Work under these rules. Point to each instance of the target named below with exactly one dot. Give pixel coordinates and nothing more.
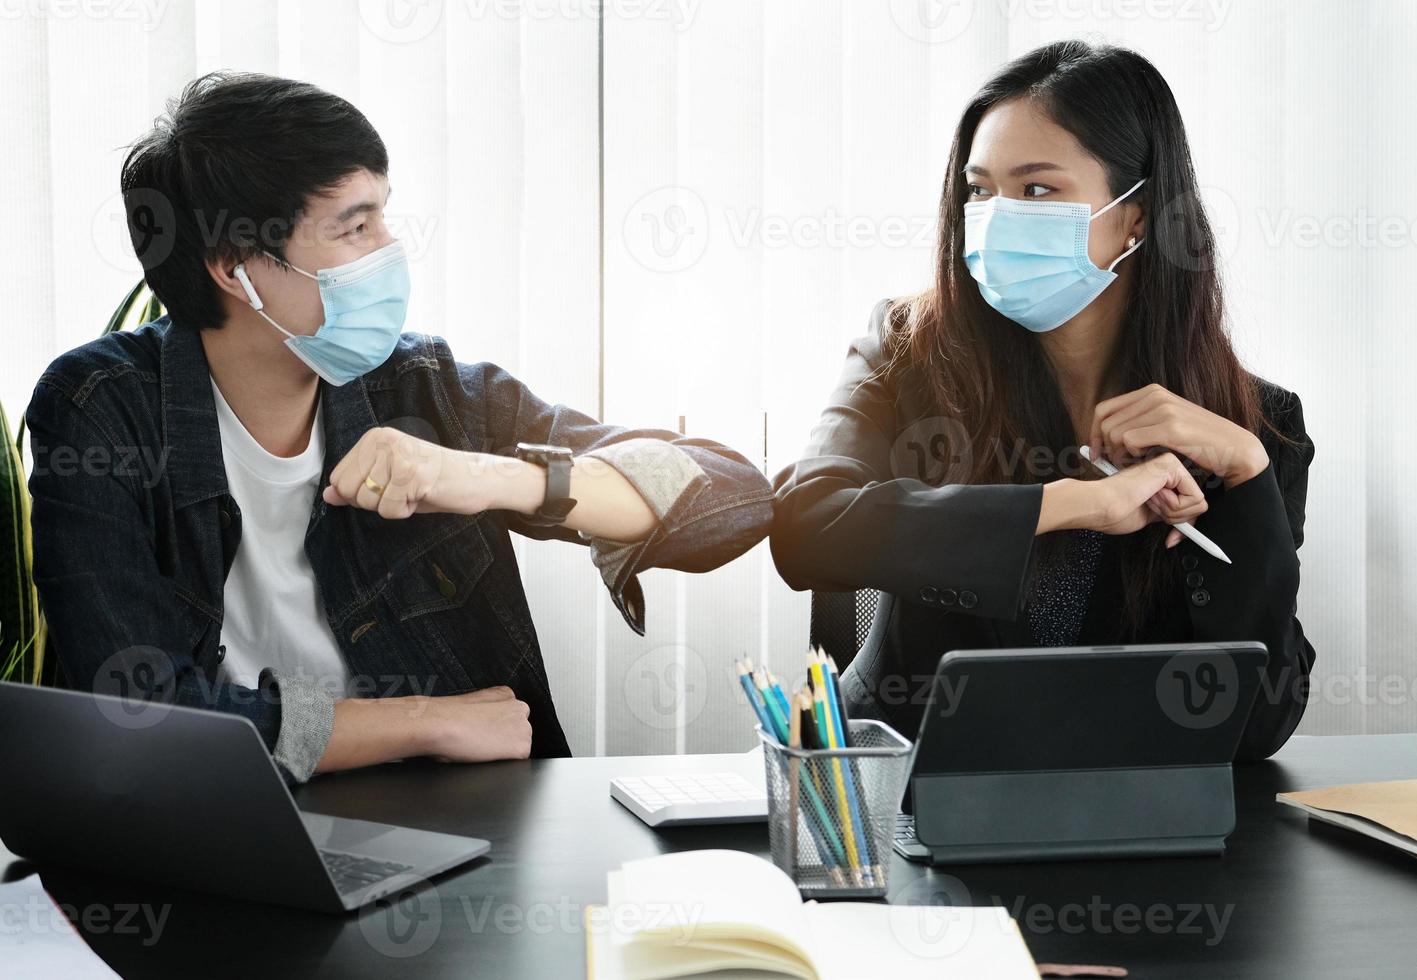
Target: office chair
(841, 621)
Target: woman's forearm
(1068, 503)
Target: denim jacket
(135, 531)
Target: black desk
(1290, 900)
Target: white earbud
(240, 273)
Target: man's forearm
(477, 726)
(370, 731)
(607, 504)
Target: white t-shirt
(273, 614)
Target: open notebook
(1386, 811)
(689, 914)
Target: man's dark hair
(228, 171)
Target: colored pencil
(746, 680)
(862, 814)
(823, 720)
(779, 720)
(824, 829)
(794, 741)
(836, 728)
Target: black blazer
(953, 562)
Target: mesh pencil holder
(832, 812)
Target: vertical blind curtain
(678, 213)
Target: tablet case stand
(1072, 814)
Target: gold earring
(1131, 242)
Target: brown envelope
(1392, 804)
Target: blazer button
(1188, 562)
(949, 597)
(929, 594)
(1200, 597)
(967, 599)
(1194, 580)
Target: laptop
(189, 798)
(1079, 752)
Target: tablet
(1073, 752)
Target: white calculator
(705, 797)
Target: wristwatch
(557, 462)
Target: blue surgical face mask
(365, 302)
(1030, 258)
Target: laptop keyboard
(352, 872)
(905, 828)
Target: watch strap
(558, 503)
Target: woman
(1076, 304)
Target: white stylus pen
(1185, 527)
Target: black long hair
(994, 376)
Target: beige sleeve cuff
(307, 719)
(661, 472)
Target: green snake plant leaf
(120, 315)
(21, 626)
(148, 308)
(22, 632)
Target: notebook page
(854, 940)
(606, 961)
(708, 895)
(655, 961)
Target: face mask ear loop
(254, 299)
(1114, 203)
(1125, 254)
(262, 314)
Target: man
(286, 508)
